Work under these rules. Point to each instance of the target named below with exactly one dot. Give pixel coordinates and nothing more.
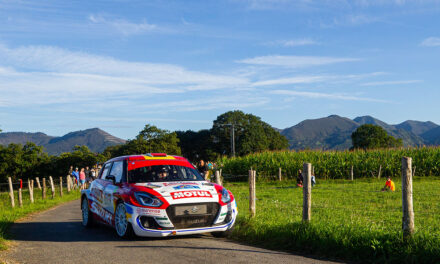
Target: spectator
(299, 179)
(75, 174)
(202, 168)
(389, 185)
(313, 180)
(82, 178)
(70, 170)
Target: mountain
(432, 136)
(333, 132)
(408, 137)
(417, 127)
(22, 137)
(95, 139)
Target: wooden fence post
(68, 183)
(38, 183)
(279, 174)
(52, 187)
(31, 190)
(380, 171)
(218, 180)
(351, 173)
(414, 171)
(11, 192)
(43, 195)
(407, 198)
(307, 192)
(252, 198)
(20, 194)
(61, 186)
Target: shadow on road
(209, 248)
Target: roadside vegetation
(8, 214)
(336, 164)
(351, 220)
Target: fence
(44, 185)
(407, 210)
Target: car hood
(183, 192)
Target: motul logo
(190, 194)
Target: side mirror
(112, 178)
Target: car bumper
(134, 215)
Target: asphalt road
(57, 236)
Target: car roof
(149, 157)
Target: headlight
(226, 198)
(147, 199)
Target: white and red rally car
(157, 195)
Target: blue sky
(118, 65)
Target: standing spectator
(75, 174)
(82, 178)
(70, 170)
(202, 168)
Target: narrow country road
(57, 236)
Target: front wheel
(122, 226)
(87, 218)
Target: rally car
(157, 195)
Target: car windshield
(163, 173)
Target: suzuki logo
(195, 209)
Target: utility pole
(232, 125)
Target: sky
(118, 65)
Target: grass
(8, 214)
(350, 220)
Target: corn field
(336, 164)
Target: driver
(163, 173)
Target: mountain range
(95, 139)
(327, 133)
(334, 132)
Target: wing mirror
(112, 178)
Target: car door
(111, 188)
(97, 194)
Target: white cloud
(124, 27)
(332, 96)
(295, 61)
(292, 42)
(316, 79)
(431, 42)
(391, 82)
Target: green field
(8, 215)
(351, 220)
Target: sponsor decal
(128, 209)
(190, 194)
(207, 184)
(153, 186)
(148, 211)
(185, 187)
(107, 199)
(161, 218)
(179, 183)
(97, 194)
(224, 214)
(101, 212)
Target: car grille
(191, 219)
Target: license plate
(191, 210)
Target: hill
(334, 132)
(95, 139)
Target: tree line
(246, 133)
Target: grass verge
(8, 214)
(350, 220)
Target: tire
(122, 226)
(223, 233)
(87, 217)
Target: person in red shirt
(389, 185)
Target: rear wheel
(87, 218)
(122, 226)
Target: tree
(250, 133)
(197, 145)
(150, 140)
(372, 136)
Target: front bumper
(224, 220)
